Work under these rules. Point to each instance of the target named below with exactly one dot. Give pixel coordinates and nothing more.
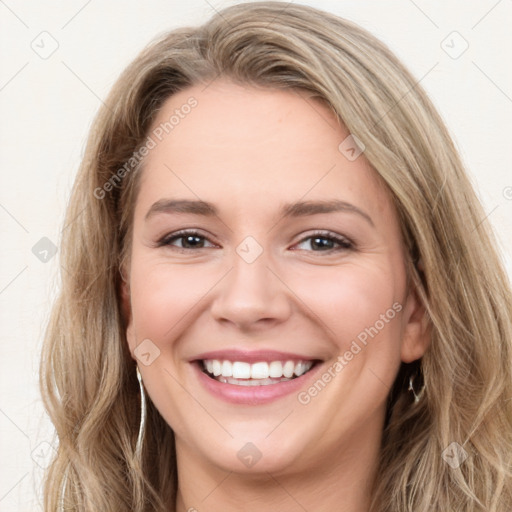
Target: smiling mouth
(241, 373)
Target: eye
(327, 242)
(319, 241)
(190, 240)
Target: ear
(127, 311)
(417, 329)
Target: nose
(252, 295)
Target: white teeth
(217, 367)
(227, 369)
(261, 372)
(275, 369)
(288, 369)
(300, 368)
(241, 370)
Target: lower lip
(253, 395)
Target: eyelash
(344, 243)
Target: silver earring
(417, 396)
(142, 424)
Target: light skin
(248, 151)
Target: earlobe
(417, 329)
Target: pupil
(321, 242)
(194, 239)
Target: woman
(272, 231)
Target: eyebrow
(296, 209)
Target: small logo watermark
(146, 352)
(351, 148)
(43, 454)
(454, 45)
(249, 454)
(45, 45)
(44, 250)
(249, 249)
(454, 455)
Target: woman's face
(291, 259)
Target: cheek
(163, 296)
(348, 299)
(359, 306)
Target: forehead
(246, 146)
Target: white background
(46, 109)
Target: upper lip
(252, 356)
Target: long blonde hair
(88, 378)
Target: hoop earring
(417, 396)
(142, 424)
